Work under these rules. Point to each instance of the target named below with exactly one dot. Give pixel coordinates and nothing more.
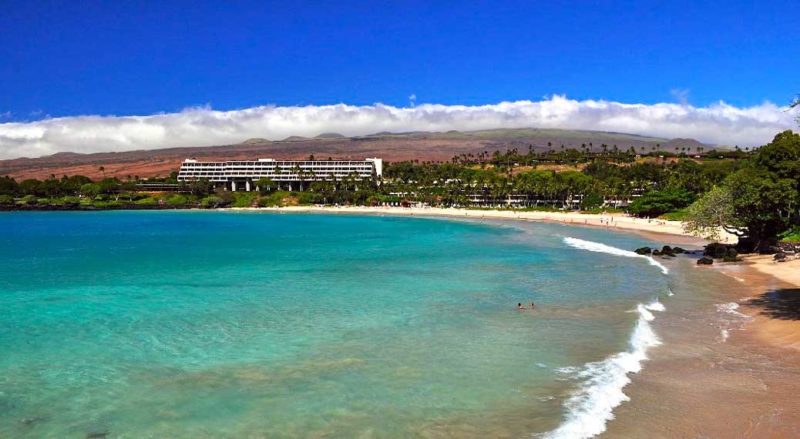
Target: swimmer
(520, 307)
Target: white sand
(611, 221)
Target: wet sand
(776, 311)
(729, 366)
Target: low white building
(242, 174)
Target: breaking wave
(592, 405)
(603, 248)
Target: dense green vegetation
(758, 202)
(753, 194)
(569, 178)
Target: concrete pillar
(233, 185)
(247, 185)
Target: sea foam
(603, 248)
(592, 405)
(731, 309)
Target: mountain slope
(423, 146)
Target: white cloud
(719, 123)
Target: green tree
(8, 186)
(655, 203)
(90, 190)
(265, 185)
(201, 187)
(757, 202)
(713, 212)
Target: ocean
(233, 324)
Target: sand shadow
(781, 304)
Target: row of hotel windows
(273, 164)
(265, 174)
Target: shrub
(313, 198)
(791, 236)
(149, 201)
(244, 199)
(277, 198)
(655, 203)
(678, 215)
(28, 200)
(71, 201)
(176, 200)
(211, 201)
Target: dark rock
(656, 252)
(678, 250)
(666, 249)
(731, 255)
(705, 260)
(643, 250)
(716, 250)
(780, 257)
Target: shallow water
(212, 324)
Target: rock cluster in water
(716, 250)
(664, 251)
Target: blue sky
(64, 58)
(119, 75)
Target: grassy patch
(677, 215)
(602, 210)
(791, 236)
(244, 199)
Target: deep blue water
(222, 324)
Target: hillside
(423, 146)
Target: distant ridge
(682, 143)
(417, 145)
(330, 136)
(255, 141)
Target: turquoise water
(212, 324)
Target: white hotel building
(242, 175)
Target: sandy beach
(775, 308)
(729, 365)
(671, 231)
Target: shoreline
(729, 366)
(660, 230)
(689, 376)
(774, 308)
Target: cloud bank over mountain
(719, 123)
